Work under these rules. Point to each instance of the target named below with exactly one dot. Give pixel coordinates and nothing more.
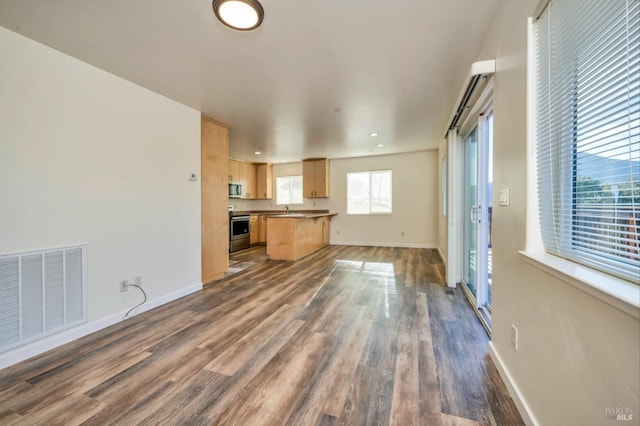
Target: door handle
(473, 213)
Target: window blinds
(587, 124)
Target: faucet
(286, 209)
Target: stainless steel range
(239, 238)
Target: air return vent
(41, 293)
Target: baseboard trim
(442, 257)
(374, 244)
(514, 391)
(50, 342)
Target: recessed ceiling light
(258, 152)
(380, 145)
(374, 134)
(243, 15)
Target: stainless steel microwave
(235, 190)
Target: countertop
(281, 213)
(301, 215)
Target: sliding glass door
(477, 213)
(470, 220)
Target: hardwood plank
(254, 367)
(449, 420)
(430, 403)
(330, 382)
(369, 399)
(238, 354)
(291, 370)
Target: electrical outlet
(138, 280)
(123, 285)
(514, 337)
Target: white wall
(415, 201)
(89, 158)
(577, 355)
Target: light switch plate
(503, 197)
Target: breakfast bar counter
(295, 235)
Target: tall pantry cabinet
(214, 171)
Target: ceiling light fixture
(258, 152)
(380, 145)
(374, 134)
(243, 15)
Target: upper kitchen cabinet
(264, 181)
(315, 178)
(249, 184)
(235, 171)
(245, 174)
(214, 171)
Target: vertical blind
(587, 124)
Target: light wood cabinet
(214, 171)
(262, 237)
(249, 185)
(291, 238)
(326, 230)
(254, 229)
(234, 171)
(315, 178)
(264, 181)
(244, 174)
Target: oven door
(239, 228)
(239, 238)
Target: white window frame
(290, 179)
(370, 212)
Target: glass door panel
(470, 212)
(489, 204)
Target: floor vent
(41, 293)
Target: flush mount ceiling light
(243, 15)
(374, 134)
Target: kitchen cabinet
(315, 178)
(326, 230)
(245, 174)
(262, 233)
(249, 185)
(264, 181)
(294, 236)
(214, 172)
(234, 171)
(254, 229)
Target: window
(369, 192)
(289, 190)
(587, 123)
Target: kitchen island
(295, 235)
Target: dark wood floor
(348, 335)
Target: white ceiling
(393, 67)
